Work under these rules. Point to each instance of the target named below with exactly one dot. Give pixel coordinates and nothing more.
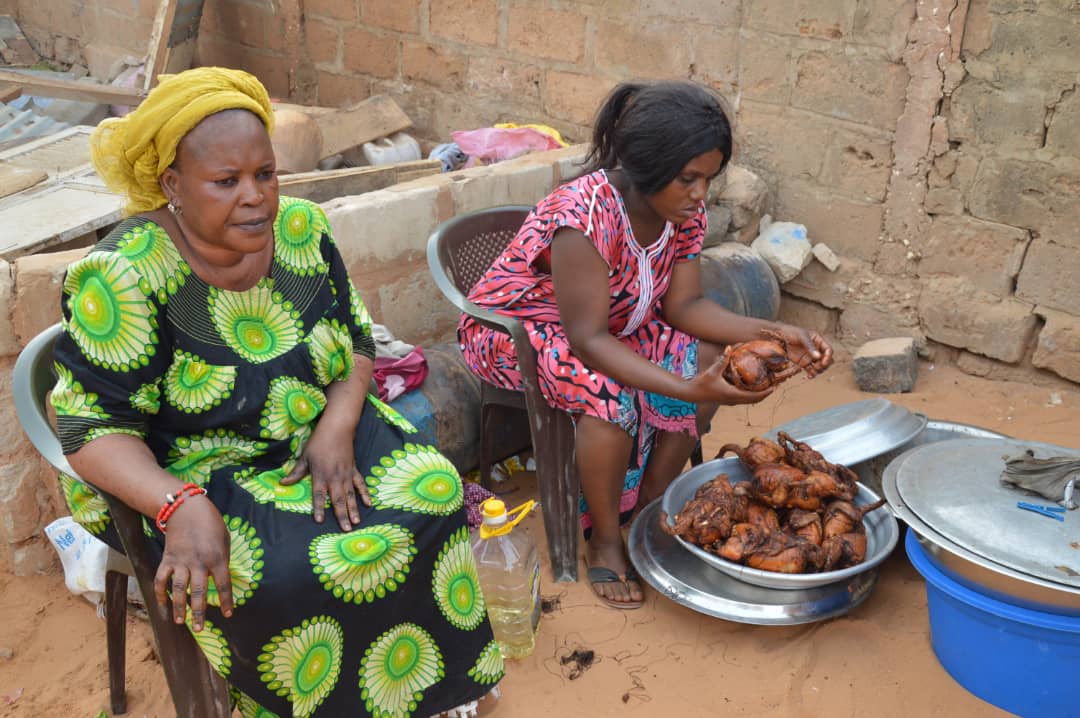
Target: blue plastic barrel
(1021, 660)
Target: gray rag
(1056, 478)
(386, 345)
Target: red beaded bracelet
(173, 501)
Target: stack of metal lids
(969, 522)
(844, 434)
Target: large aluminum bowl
(882, 532)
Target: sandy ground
(661, 660)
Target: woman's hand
(807, 349)
(710, 385)
(196, 549)
(329, 458)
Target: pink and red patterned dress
(638, 277)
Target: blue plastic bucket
(1026, 662)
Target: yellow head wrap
(131, 152)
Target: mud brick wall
(931, 143)
(382, 236)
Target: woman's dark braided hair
(651, 130)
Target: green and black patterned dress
(225, 388)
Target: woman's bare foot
(611, 575)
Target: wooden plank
(173, 39)
(375, 117)
(72, 90)
(60, 154)
(324, 186)
(9, 93)
(16, 179)
(51, 217)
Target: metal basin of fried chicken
(795, 515)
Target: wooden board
(9, 93)
(16, 179)
(60, 154)
(54, 216)
(375, 117)
(324, 186)
(72, 90)
(173, 39)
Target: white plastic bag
(84, 558)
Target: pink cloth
(394, 377)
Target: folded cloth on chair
(394, 376)
(1056, 478)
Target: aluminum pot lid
(852, 433)
(955, 488)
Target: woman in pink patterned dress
(605, 276)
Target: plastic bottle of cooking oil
(509, 570)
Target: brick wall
(58, 29)
(930, 143)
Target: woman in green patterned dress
(214, 338)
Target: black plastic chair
(197, 690)
(459, 252)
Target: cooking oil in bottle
(509, 570)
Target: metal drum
(738, 279)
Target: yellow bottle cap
(493, 508)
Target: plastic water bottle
(509, 570)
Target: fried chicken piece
(801, 455)
(745, 538)
(709, 516)
(763, 516)
(758, 451)
(807, 524)
(772, 484)
(844, 550)
(784, 553)
(758, 364)
(841, 517)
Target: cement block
(830, 289)
(850, 227)
(1048, 276)
(886, 366)
(853, 84)
(858, 165)
(1029, 194)
(514, 182)
(985, 115)
(631, 48)
(20, 501)
(987, 253)
(1058, 347)
(826, 256)
(38, 283)
(808, 315)
(956, 313)
(34, 557)
(474, 22)
(528, 33)
(379, 227)
(105, 61)
(9, 342)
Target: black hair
(651, 130)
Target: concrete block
(717, 49)
(20, 501)
(436, 65)
(380, 227)
(766, 67)
(850, 227)
(856, 85)
(574, 97)
(826, 256)
(808, 315)
(513, 182)
(371, 53)
(105, 61)
(33, 557)
(530, 30)
(337, 90)
(828, 288)
(785, 247)
(956, 313)
(39, 280)
(885, 24)
(1063, 135)
(1029, 194)
(474, 22)
(984, 115)
(324, 42)
(9, 342)
(860, 322)
(636, 49)
(763, 128)
(330, 8)
(1048, 276)
(508, 79)
(858, 165)
(1058, 347)
(399, 15)
(886, 366)
(987, 253)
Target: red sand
(661, 660)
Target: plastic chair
(459, 252)
(197, 690)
